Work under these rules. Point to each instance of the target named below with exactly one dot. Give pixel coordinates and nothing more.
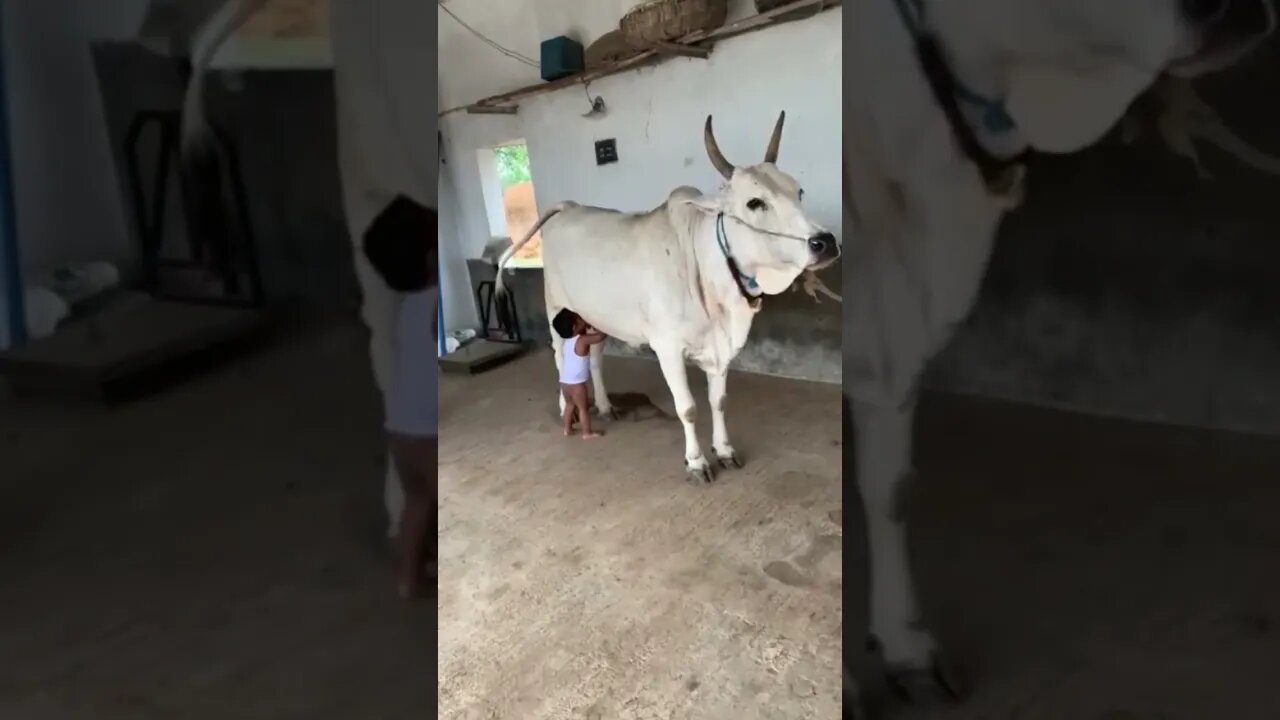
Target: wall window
(509, 198)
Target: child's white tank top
(574, 369)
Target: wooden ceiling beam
(696, 44)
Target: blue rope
(995, 118)
(723, 242)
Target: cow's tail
(197, 133)
(200, 167)
(500, 292)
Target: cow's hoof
(699, 474)
(607, 413)
(939, 682)
(729, 461)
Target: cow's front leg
(557, 348)
(883, 451)
(695, 463)
(716, 393)
(379, 308)
(603, 407)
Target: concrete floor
(1090, 569)
(214, 552)
(589, 580)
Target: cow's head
(1069, 69)
(764, 224)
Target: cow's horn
(771, 154)
(713, 151)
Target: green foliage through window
(513, 164)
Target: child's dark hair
(563, 323)
(400, 244)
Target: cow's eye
(802, 193)
(755, 204)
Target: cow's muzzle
(1238, 19)
(1228, 29)
(823, 248)
(1248, 19)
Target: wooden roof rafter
(698, 44)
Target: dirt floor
(587, 579)
(215, 552)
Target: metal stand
(205, 214)
(141, 344)
(492, 327)
(499, 339)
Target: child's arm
(586, 340)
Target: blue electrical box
(561, 57)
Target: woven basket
(666, 20)
(610, 47)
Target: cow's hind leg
(604, 408)
(716, 392)
(695, 463)
(557, 348)
(557, 343)
(883, 452)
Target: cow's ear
(710, 205)
(1060, 109)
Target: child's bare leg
(584, 416)
(583, 413)
(416, 460)
(569, 409)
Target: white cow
(685, 278)
(927, 184)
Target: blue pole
(10, 261)
(440, 334)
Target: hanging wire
(595, 104)
(485, 39)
